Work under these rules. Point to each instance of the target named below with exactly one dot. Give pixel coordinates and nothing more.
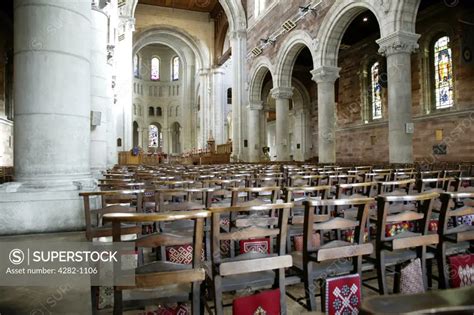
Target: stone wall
(6, 124)
(359, 139)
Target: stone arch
(336, 21)
(288, 54)
(186, 47)
(258, 72)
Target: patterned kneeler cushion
(181, 254)
(462, 270)
(411, 278)
(261, 245)
(172, 309)
(264, 303)
(343, 295)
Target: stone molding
(255, 105)
(399, 42)
(282, 92)
(325, 74)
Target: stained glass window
(376, 91)
(443, 66)
(136, 66)
(155, 69)
(175, 72)
(155, 136)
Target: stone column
(254, 146)
(99, 87)
(282, 96)
(52, 92)
(325, 77)
(112, 156)
(205, 110)
(397, 47)
(124, 57)
(238, 43)
(218, 108)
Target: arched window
(175, 69)
(158, 111)
(155, 69)
(229, 96)
(376, 91)
(443, 73)
(134, 109)
(136, 65)
(155, 136)
(151, 111)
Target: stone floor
(71, 299)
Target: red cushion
(462, 270)
(343, 294)
(261, 245)
(267, 302)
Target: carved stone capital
(255, 105)
(240, 34)
(325, 74)
(282, 92)
(398, 43)
(127, 23)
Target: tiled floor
(71, 299)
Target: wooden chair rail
(415, 197)
(154, 217)
(112, 192)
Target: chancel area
(239, 156)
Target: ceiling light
(365, 19)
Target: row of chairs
(331, 212)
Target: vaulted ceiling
(193, 5)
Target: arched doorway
(135, 134)
(175, 138)
(155, 138)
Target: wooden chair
(399, 187)
(456, 239)
(464, 184)
(177, 282)
(252, 270)
(297, 195)
(130, 201)
(254, 195)
(394, 250)
(331, 257)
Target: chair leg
(443, 273)
(219, 309)
(429, 271)
(196, 302)
(281, 286)
(422, 256)
(118, 307)
(323, 296)
(381, 272)
(94, 298)
(397, 277)
(309, 287)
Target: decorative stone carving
(385, 5)
(255, 105)
(282, 92)
(325, 74)
(398, 43)
(240, 34)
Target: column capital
(128, 22)
(398, 43)
(255, 105)
(325, 74)
(203, 71)
(239, 34)
(282, 92)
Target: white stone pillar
(99, 86)
(205, 107)
(52, 92)
(282, 96)
(397, 47)
(253, 135)
(124, 63)
(325, 78)
(218, 105)
(238, 43)
(111, 131)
